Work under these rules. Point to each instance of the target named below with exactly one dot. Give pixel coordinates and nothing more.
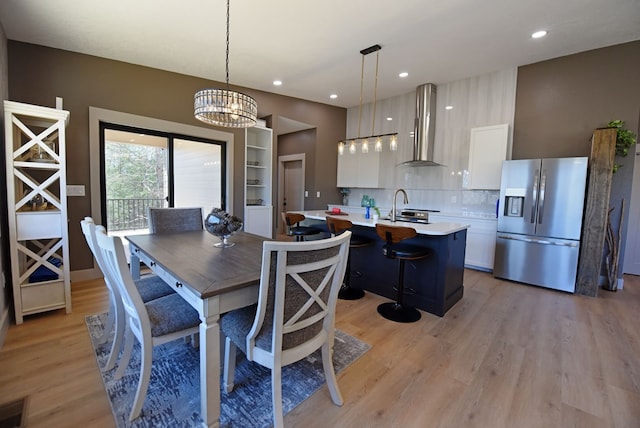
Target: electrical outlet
(454, 199)
(75, 190)
(317, 194)
(306, 193)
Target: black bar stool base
(395, 312)
(348, 293)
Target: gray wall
(83, 81)
(560, 102)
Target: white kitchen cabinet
(258, 207)
(359, 169)
(37, 208)
(487, 149)
(347, 169)
(481, 239)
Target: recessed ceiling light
(389, 118)
(333, 96)
(448, 108)
(539, 34)
(277, 82)
(403, 74)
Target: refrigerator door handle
(539, 241)
(543, 180)
(535, 196)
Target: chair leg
(276, 396)
(330, 374)
(129, 340)
(109, 323)
(119, 334)
(143, 383)
(229, 365)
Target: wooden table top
(192, 258)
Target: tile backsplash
(473, 202)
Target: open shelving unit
(37, 208)
(258, 207)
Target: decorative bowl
(222, 224)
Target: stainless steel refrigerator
(540, 221)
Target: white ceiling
(314, 47)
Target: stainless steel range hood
(424, 129)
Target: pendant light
(224, 107)
(364, 141)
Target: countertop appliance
(414, 215)
(540, 221)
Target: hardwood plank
(506, 355)
(582, 381)
(628, 405)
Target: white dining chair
(169, 220)
(149, 287)
(295, 313)
(152, 324)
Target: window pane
(135, 178)
(197, 174)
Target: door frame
(279, 207)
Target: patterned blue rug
(173, 399)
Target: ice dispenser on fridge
(514, 202)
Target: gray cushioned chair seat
(171, 313)
(152, 287)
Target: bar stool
(292, 220)
(393, 249)
(336, 227)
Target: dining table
(213, 280)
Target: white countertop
(439, 228)
(462, 214)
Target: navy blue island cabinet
(433, 284)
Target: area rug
(173, 399)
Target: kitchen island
(433, 284)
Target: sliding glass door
(142, 169)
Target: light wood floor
(507, 355)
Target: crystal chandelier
(364, 141)
(224, 107)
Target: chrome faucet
(395, 196)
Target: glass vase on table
(222, 225)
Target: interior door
(293, 189)
(291, 185)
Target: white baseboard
(85, 274)
(603, 280)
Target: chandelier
(224, 107)
(364, 141)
